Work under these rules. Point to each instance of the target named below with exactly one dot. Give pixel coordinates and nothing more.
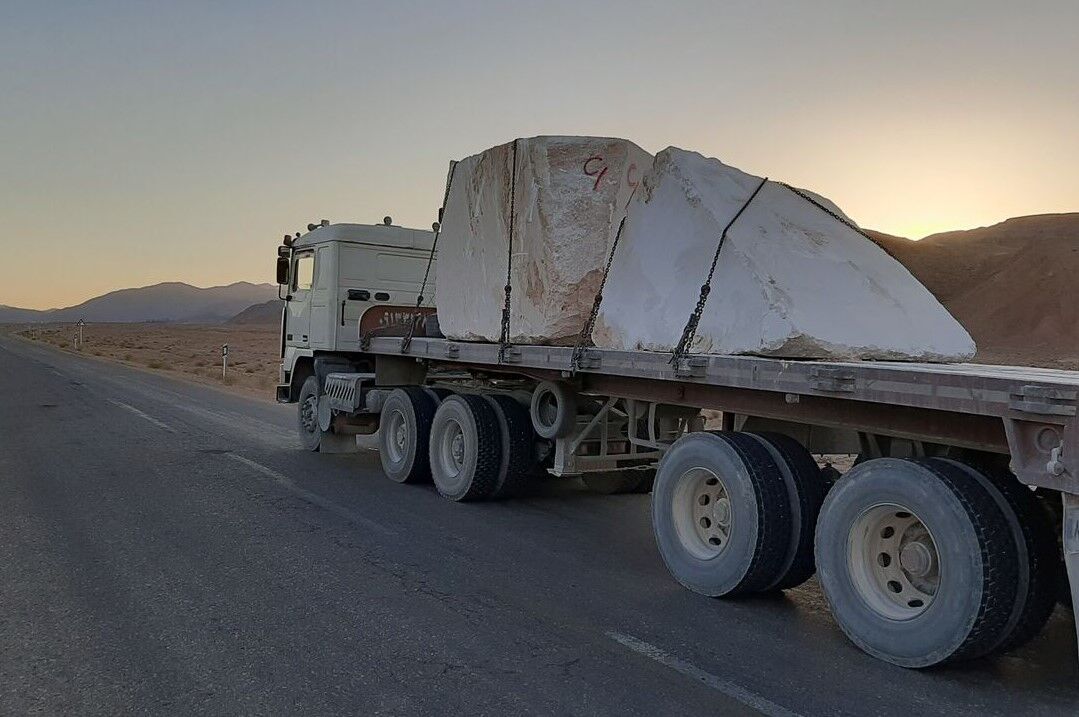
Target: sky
(178, 141)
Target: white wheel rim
(397, 436)
(893, 561)
(702, 513)
(451, 451)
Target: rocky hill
(1013, 285)
(172, 301)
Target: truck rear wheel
(404, 434)
(720, 514)
(916, 561)
(805, 491)
(1038, 555)
(465, 448)
(517, 439)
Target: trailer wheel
(515, 426)
(916, 561)
(720, 514)
(1038, 555)
(307, 415)
(404, 433)
(805, 490)
(553, 410)
(465, 448)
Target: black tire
(806, 491)
(1038, 555)
(553, 409)
(975, 561)
(518, 459)
(307, 415)
(437, 393)
(755, 505)
(472, 421)
(404, 435)
(614, 482)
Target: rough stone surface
(569, 196)
(791, 280)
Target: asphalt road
(167, 548)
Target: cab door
(321, 320)
(298, 325)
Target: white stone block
(568, 198)
(791, 280)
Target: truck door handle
(359, 295)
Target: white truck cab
(340, 281)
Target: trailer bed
(975, 389)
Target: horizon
(144, 140)
(271, 284)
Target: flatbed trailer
(952, 537)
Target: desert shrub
(154, 363)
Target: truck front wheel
(307, 415)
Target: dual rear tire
(471, 446)
(733, 513)
(922, 561)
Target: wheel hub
(396, 427)
(457, 449)
(917, 559)
(452, 450)
(893, 561)
(309, 414)
(702, 513)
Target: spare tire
(554, 409)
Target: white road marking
(313, 498)
(140, 414)
(746, 697)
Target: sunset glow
(238, 123)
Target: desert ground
(187, 351)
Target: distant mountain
(168, 302)
(268, 312)
(1012, 285)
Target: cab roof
(377, 234)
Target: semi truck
(952, 537)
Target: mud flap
(1071, 546)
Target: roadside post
(81, 340)
(224, 359)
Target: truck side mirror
(282, 270)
